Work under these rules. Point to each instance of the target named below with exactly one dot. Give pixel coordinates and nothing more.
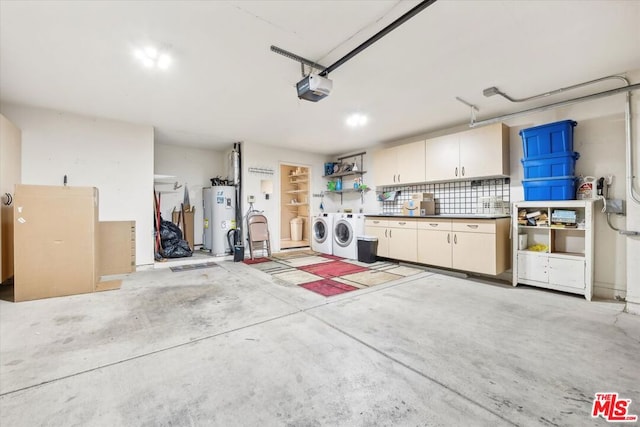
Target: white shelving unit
(567, 264)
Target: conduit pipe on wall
(631, 190)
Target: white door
(533, 266)
(567, 272)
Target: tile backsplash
(455, 197)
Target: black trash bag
(179, 250)
(169, 231)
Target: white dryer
(322, 233)
(346, 229)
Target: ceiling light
(151, 57)
(163, 61)
(356, 120)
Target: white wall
(633, 210)
(116, 157)
(191, 167)
(267, 157)
(600, 140)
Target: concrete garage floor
(226, 346)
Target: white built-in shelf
(296, 191)
(297, 204)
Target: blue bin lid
(569, 122)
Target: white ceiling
(225, 85)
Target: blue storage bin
(547, 139)
(560, 188)
(559, 164)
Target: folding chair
(258, 230)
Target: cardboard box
(186, 225)
(116, 247)
(56, 242)
(428, 208)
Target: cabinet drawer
(436, 224)
(474, 226)
(370, 222)
(409, 224)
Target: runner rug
(328, 274)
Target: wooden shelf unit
(567, 264)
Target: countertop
(443, 216)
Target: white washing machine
(322, 233)
(346, 229)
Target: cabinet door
(567, 272)
(385, 163)
(10, 161)
(533, 266)
(382, 234)
(403, 244)
(442, 158)
(474, 252)
(484, 151)
(434, 247)
(410, 161)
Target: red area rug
(333, 268)
(328, 287)
(328, 275)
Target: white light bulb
(151, 52)
(148, 62)
(163, 61)
(356, 120)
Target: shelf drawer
(404, 223)
(474, 226)
(370, 222)
(437, 224)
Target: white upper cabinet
(475, 153)
(403, 164)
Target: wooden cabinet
(481, 246)
(10, 174)
(474, 245)
(397, 239)
(559, 258)
(403, 164)
(434, 242)
(475, 153)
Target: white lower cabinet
(397, 239)
(474, 245)
(434, 243)
(565, 262)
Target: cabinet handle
(389, 233)
(463, 171)
(376, 222)
(9, 199)
(456, 171)
(385, 233)
(398, 177)
(472, 225)
(394, 177)
(433, 225)
(455, 239)
(401, 223)
(448, 238)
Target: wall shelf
(356, 173)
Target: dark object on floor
(238, 253)
(194, 266)
(173, 246)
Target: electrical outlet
(615, 206)
(609, 179)
(251, 199)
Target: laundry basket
(296, 228)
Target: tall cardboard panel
(55, 241)
(10, 175)
(117, 247)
